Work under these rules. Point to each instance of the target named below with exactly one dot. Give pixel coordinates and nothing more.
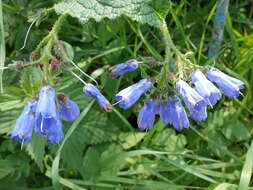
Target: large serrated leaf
(36, 149)
(84, 10)
(89, 132)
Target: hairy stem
(52, 33)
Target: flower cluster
(197, 98)
(44, 115)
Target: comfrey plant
(176, 91)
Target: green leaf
(102, 160)
(88, 132)
(31, 80)
(68, 50)
(137, 10)
(6, 168)
(162, 7)
(236, 131)
(36, 149)
(131, 139)
(215, 141)
(168, 139)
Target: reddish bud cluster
(54, 64)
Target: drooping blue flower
(92, 91)
(177, 114)
(229, 85)
(165, 113)
(25, 123)
(199, 114)
(206, 88)
(157, 108)
(69, 110)
(46, 111)
(123, 68)
(194, 102)
(131, 94)
(146, 116)
(54, 133)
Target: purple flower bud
(229, 85)
(165, 113)
(205, 88)
(25, 123)
(123, 68)
(146, 116)
(69, 110)
(46, 109)
(195, 103)
(54, 133)
(92, 91)
(177, 114)
(131, 94)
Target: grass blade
(224, 186)
(247, 170)
(2, 47)
(55, 166)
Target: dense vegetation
(106, 150)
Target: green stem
(168, 42)
(52, 33)
(168, 53)
(166, 36)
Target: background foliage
(105, 150)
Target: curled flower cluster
(197, 98)
(203, 93)
(44, 116)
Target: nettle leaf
(31, 80)
(169, 140)
(229, 124)
(137, 10)
(36, 149)
(162, 7)
(102, 160)
(95, 129)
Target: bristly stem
(168, 41)
(218, 27)
(52, 33)
(170, 49)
